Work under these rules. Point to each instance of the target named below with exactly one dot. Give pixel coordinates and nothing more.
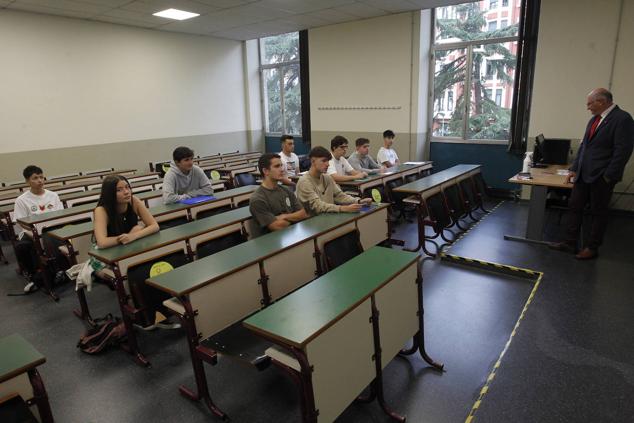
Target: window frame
(468, 46)
(281, 69)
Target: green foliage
(282, 49)
(487, 120)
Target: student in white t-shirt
(338, 167)
(290, 161)
(36, 200)
(386, 155)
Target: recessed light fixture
(179, 15)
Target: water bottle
(528, 159)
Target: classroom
(316, 211)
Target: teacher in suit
(604, 151)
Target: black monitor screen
(555, 150)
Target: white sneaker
(145, 328)
(30, 287)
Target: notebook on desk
(196, 200)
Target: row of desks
(71, 179)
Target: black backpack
(107, 331)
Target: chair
(242, 179)
(455, 204)
(341, 249)
(469, 195)
(396, 199)
(482, 190)
(148, 300)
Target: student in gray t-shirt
(361, 160)
(273, 206)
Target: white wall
(68, 82)
(364, 64)
(578, 51)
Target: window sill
(460, 141)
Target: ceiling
(233, 19)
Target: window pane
(292, 101)
(449, 77)
(474, 21)
(490, 118)
(280, 48)
(273, 101)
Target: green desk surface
(6, 209)
(168, 236)
(388, 172)
(432, 181)
(45, 217)
(73, 195)
(71, 231)
(199, 273)
(17, 356)
(299, 317)
(221, 195)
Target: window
(472, 63)
(493, 4)
(279, 59)
(490, 70)
(505, 3)
(498, 97)
(504, 23)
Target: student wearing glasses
(338, 167)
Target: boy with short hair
(273, 206)
(319, 193)
(386, 155)
(290, 161)
(361, 159)
(184, 179)
(338, 167)
(36, 200)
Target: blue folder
(196, 200)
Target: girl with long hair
(117, 214)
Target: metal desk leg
(536, 217)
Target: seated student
(338, 167)
(36, 200)
(360, 160)
(184, 179)
(319, 193)
(386, 155)
(274, 206)
(290, 161)
(116, 221)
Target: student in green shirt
(272, 205)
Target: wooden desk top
(195, 275)
(545, 177)
(301, 316)
(432, 181)
(134, 184)
(159, 239)
(17, 356)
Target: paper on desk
(414, 163)
(563, 172)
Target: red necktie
(593, 128)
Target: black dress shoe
(562, 246)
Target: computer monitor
(555, 150)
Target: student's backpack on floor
(107, 331)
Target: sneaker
(30, 287)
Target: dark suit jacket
(607, 152)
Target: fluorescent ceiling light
(179, 15)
